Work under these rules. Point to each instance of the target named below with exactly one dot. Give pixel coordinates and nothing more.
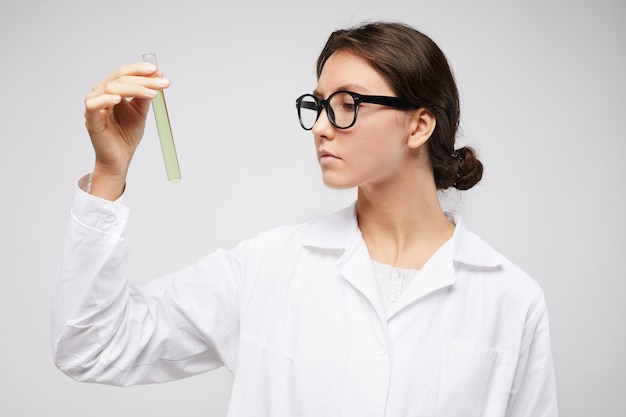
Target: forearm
(105, 330)
(91, 286)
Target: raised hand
(115, 117)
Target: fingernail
(163, 82)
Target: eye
(348, 105)
(343, 102)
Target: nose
(323, 128)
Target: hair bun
(466, 170)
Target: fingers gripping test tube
(164, 129)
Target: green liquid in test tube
(165, 130)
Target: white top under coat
(392, 281)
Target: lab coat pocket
(475, 380)
(264, 380)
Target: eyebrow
(346, 87)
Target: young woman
(390, 307)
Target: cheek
(378, 157)
(383, 141)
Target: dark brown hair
(417, 71)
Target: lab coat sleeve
(533, 392)
(106, 330)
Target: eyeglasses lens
(340, 109)
(308, 111)
(343, 109)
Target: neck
(402, 226)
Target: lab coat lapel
(340, 231)
(464, 248)
(437, 273)
(356, 267)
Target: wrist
(107, 185)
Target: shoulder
(334, 230)
(331, 230)
(479, 262)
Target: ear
(422, 125)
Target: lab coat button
(108, 218)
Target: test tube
(164, 129)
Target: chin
(338, 185)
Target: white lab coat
(295, 315)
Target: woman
(390, 307)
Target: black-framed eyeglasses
(342, 107)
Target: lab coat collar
(340, 232)
(340, 229)
(335, 231)
(471, 250)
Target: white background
(543, 100)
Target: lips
(326, 157)
(321, 152)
